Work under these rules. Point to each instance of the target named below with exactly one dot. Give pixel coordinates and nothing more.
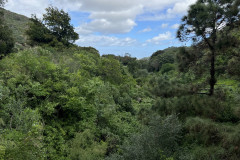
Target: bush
(213, 140)
(84, 146)
(6, 39)
(196, 105)
(158, 141)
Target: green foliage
(165, 86)
(69, 97)
(58, 22)
(111, 70)
(207, 153)
(54, 30)
(38, 33)
(75, 104)
(167, 67)
(232, 66)
(19, 146)
(184, 59)
(127, 60)
(160, 58)
(2, 152)
(219, 140)
(159, 141)
(6, 39)
(84, 146)
(22, 135)
(185, 106)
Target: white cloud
(116, 5)
(105, 41)
(174, 8)
(180, 7)
(155, 17)
(175, 26)
(108, 27)
(164, 25)
(83, 31)
(160, 37)
(112, 22)
(107, 16)
(146, 30)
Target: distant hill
(18, 24)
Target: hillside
(18, 24)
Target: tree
(6, 40)
(58, 22)
(205, 20)
(54, 28)
(159, 58)
(111, 70)
(38, 33)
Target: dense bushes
(158, 141)
(76, 104)
(65, 96)
(197, 105)
(6, 39)
(220, 141)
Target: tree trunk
(212, 81)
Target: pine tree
(204, 20)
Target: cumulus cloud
(113, 5)
(105, 41)
(175, 26)
(155, 17)
(174, 8)
(146, 30)
(107, 16)
(180, 7)
(112, 22)
(83, 31)
(164, 25)
(160, 37)
(108, 27)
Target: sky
(136, 27)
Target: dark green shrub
(158, 141)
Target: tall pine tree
(205, 19)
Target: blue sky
(137, 27)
